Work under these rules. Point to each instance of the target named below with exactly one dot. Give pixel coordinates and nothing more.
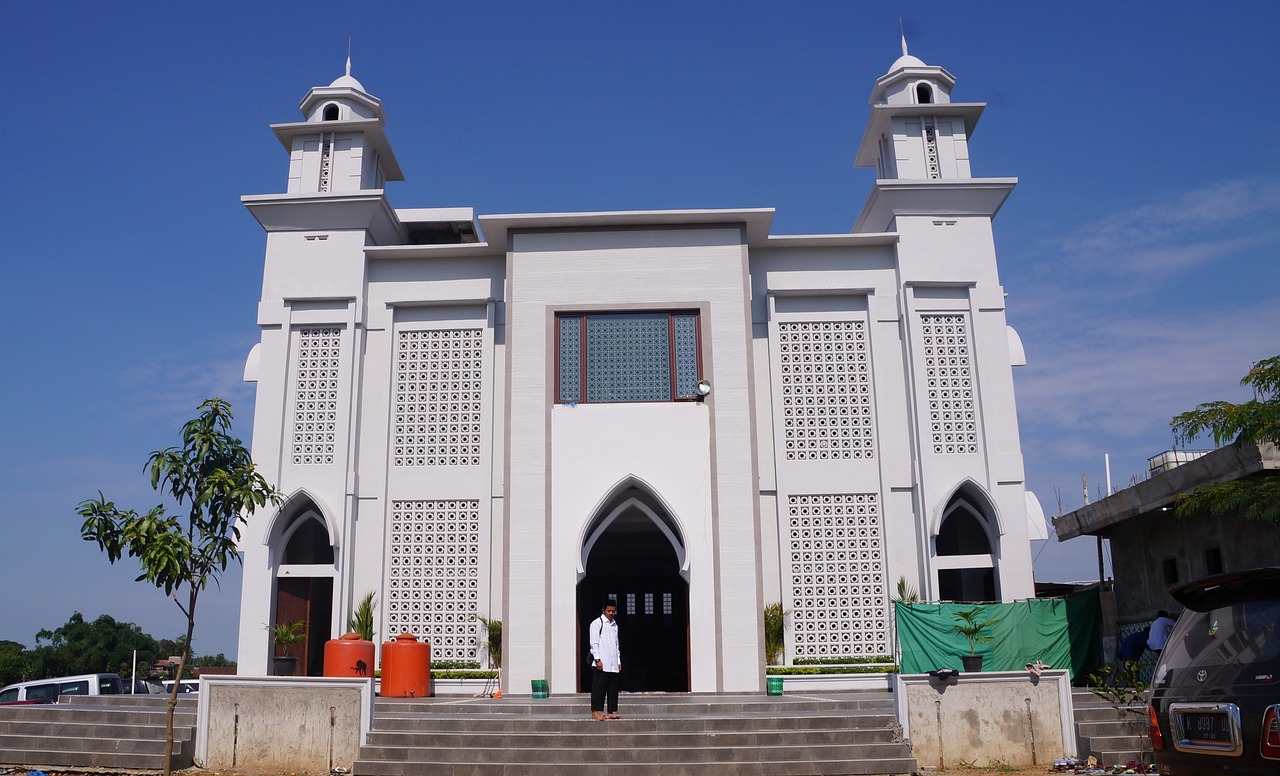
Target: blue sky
(1139, 250)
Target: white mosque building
(516, 416)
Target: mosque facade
(516, 416)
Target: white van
(48, 690)
(186, 685)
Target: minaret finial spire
(903, 32)
(349, 54)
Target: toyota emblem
(1201, 675)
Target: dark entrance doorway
(309, 599)
(300, 596)
(965, 531)
(635, 561)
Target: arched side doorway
(963, 546)
(304, 584)
(633, 552)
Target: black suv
(1215, 695)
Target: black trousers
(605, 683)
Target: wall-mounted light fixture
(702, 389)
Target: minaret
(340, 147)
(918, 141)
(915, 131)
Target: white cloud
(1176, 234)
(172, 385)
(1122, 372)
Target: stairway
(117, 732)
(1108, 734)
(659, 735)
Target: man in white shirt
(1160, 629)
(606, 663)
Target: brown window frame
(584, 317)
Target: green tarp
(1060, 632)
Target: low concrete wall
(984, 719)
(828, 682)
(282, 723)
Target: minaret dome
(910, 81)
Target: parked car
(1215, 696)
(143, 687)
(48, 690)
(186, 685)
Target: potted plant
(974, 630)
(285, 635)
(775, 619)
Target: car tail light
(1271, 733)
(1153, 730)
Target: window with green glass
(627, 357)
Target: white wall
(712, 492)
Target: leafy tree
(15, 663)
(213, 661)
(80, 647)
(213, 476)
(1250, 422)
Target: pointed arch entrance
(964, 549)
(634, 552)
(304, 571)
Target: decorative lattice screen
(839, 598)
(949, 382)
(438, 388)
(433, 583)
(826, 390)
(315, 405)
(931, 149)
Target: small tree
(906, 593)
(213, 476)
(493, 639)
(1256, 420)
(1121, 685)
(972, 628)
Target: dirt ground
(998, 770)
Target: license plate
(1207, 728)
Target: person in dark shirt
(1132, 648)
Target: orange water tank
(348, 656)
(406, 667)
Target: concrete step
(630, 736)
(704, 723)
(804, 767)
(693, 751)
(1110, 733)
(828, 733)
(96, 733)
(1113, 727)
(643, 705)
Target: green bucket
(773, 685)
(541, 688)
